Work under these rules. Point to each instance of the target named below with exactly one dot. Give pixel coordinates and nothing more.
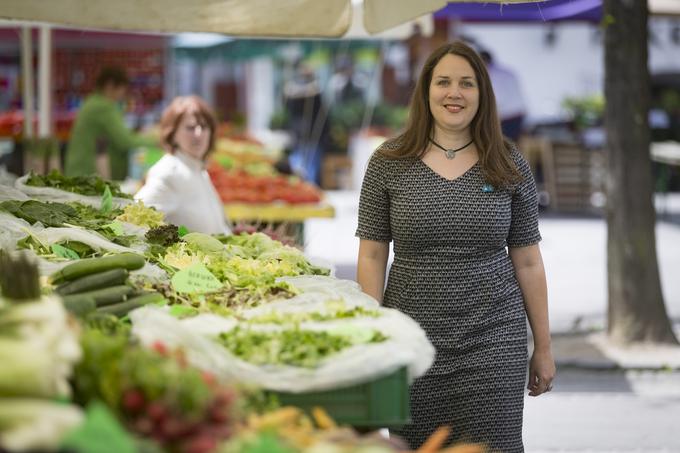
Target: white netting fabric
(406, 344)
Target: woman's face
(192, 136)
(454, 94)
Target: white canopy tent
(282, 18)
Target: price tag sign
(196, 279)
(64, 252)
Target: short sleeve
(524, 208)
(374, 202)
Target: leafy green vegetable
(81, 249)
(32, 211)
(204, 242)
(113, 364)
(64, 252)
(248, 265)
(101, 432)
(163, 235)
(107, 200)
(92, 185)
(66, 215)
(139, 214)
(295, 347)
(295, 318)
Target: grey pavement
(595, 411)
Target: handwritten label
(64, 252)
(107, 200)
(195, 279)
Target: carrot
(435, 441)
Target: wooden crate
(572, 176)
(579, 178)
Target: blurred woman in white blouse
(179, 185)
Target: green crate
(381, 403)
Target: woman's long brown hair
(493, 149)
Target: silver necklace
(451, 153)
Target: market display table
(290, 217)
(277, 212)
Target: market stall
(182, 340)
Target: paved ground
(592, 411)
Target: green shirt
(99, 123)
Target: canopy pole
(45, 82)
(27, 81)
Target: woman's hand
(541, 372)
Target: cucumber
(124, 308)
(88, 266)
(95, 281)
(79, 306)
(108, 296)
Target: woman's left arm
(530, 273)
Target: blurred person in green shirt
(100, 126)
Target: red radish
(133, 400)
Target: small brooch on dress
(486, 188)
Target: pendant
(450, 154)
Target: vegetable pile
(295, 347)
(154, 391)
(257, 186)
(84, 185)
(100, 284)
(38, 349)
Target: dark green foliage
(91, 185)
(164, 235)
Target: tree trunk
(636, 307)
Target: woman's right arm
(371, 267)
(157, 191)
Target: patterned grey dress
(452, 274)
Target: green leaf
(107, 202)
(266, 443)
(116, 227)
(183, 311)
(64, 252)
(100, 433)
(182, 230)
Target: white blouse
(179, 186)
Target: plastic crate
(381, 403)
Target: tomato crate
(380, 403)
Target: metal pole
(27, 81)
(45, 82)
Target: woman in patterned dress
(460, 204)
